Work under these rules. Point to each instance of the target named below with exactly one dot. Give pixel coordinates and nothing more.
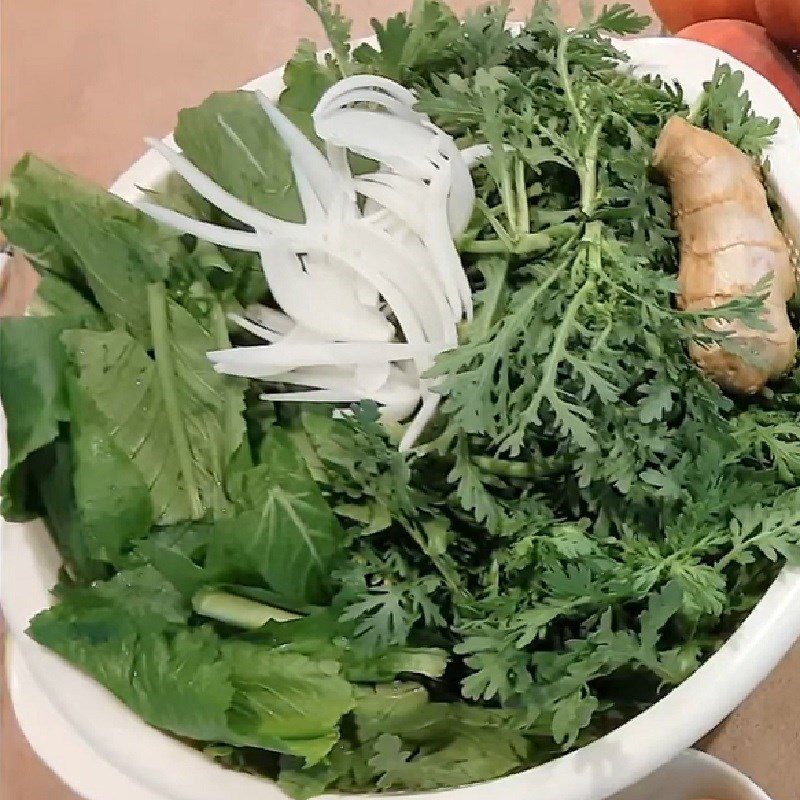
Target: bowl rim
(595, 771)
(57, 743)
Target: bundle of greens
(587, 518)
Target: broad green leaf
(284, 532)
(182, 685)
(55, 296)
(51, 470)
(322, 635)
(33, 393)
(230, 138)
(174, 417)
(174, 681)
(128, 633)
(147, 597)
(103, 247)
(286, 701)
(176, 552)
(116, 262)
(115, 370)
(113, 501)
(34, 189)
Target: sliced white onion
(325, 182)
(372, 97)
(472, 155)
(368, 267)
(263, 332)
(414, 276)
(400, 195)
(425, 414)
(270, 318)
(291, 356)
(222, 199)
(345, 280)
(461, 198)
(312, 207)
(208, 232)
(396, 392)
(371, 377)
(401, 145)
(356, 82)
(320, 303)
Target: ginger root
(728, 241)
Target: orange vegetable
(781, 18)
(678, 14)
(751, 44)
(729, 241)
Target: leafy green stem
(558, 350)
(165, 369)
(588, 175)
(219, 328)
(235, 610)
(505, 468)
(491, 297)
(440, 562)
(337, 29)
(523, 212)
(562, 65)
(498, 228)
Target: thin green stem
(523, 212)
(491, 218)
(589, 173)
(533, 243)
(562, 66)
(508, 195)
(439, 561)
(491, 298)
(557, 350)
(235, 610)
(219, 327)
(165, 369)
(505, 468)
(484, 247)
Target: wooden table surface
(83, 81)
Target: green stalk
(533, 243)
(165, 369)
(523, 212)
(491, 217)
(589, 173)
(239, 611)
(484, 247)
(504, 468)
(536, 291)
(557, 351)
(566, 82)
(525, 245)
(450, 576)
(490, 302)
(219, 327)
(508, 195)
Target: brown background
(84, 80)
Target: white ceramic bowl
(176, 772)
(690, 776)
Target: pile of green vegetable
(585, 521)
